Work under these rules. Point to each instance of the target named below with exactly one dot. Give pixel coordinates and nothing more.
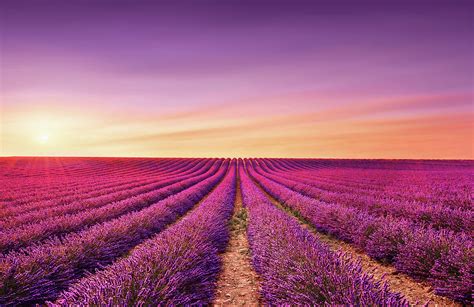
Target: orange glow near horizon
(359, 130)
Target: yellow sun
(43, 139)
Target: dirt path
(238, 284)
(417, 293)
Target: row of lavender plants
(16, 238)
(451, 188)
(60, 191)
(87, 187)
(40, 273)
(437, 216)
(443, 201)
(176, 267)
(442, 257)
(377, 176)
(296, 268)
(37, 188)
(49, 209)
(445, 185)
(331, 177)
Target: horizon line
(246, 157)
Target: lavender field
(137, 231)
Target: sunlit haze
(333, 79)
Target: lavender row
(443, 258)
(450, 189)
(387, 164)
(427, 185)
(296, 268)
(41, 273)
(16, 238)
(88, 188)
(47, 211)
(12, 212)
(433, 215)
(38, 189)
(177, 267)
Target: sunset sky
(375, 79)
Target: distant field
(136, 231)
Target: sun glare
(43, 139)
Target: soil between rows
(238, 284)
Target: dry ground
(238, 284)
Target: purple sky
(246, 63)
